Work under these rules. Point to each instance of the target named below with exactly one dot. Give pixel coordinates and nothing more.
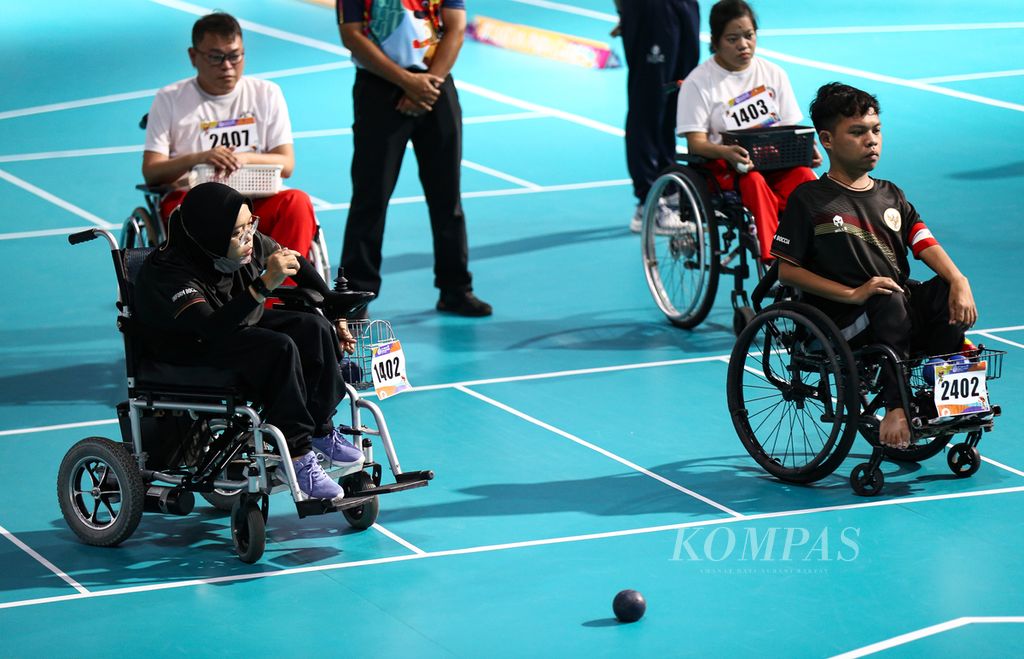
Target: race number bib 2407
(753, 109)
(236, 134)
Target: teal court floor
(582, 445)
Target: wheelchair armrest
(690, 159)
(763, 286)
(294, 297)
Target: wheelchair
(187, 430)
(146, 226)
(717, 235)
(798, 395)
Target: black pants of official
(912, 323)
(660, 38)
(288, 363)
(380, 135)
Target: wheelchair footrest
(321, 506)
(405, 481)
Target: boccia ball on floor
(629, 606)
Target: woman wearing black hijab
(201, 296)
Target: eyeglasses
(216, 59)
(245, 234)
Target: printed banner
(545, 43)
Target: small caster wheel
(963, 460)
(865, 481)
(248, 530)
(364, 516)
(741, 317)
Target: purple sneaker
(340, 451)
(314, 481)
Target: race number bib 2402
(753, 109)
(236, 134)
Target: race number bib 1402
(960, 390)
(236, 134)
(389, 377)
(753, 109)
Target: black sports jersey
(849, 236)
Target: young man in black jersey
(843, 241)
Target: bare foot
(894, 431)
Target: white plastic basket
(250, 180)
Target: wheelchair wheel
(319, 257)
(248, 530)
(681, 264)
(140, 230)
(364, 516)
(867, 481)
(100, 491)
(963, 459)
(792, 392)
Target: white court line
(1002, 466)
(903, 639)
(506, 546)
(45, 233)
(973, 76)
(542, 109)
(892, 80)
(529, 185)
(42, 561)
(397, 538)
(570, 9)
(328, 132)
(507, 192)
(303, 70)
(486, 119)
(57, 201)
(62, 426)
(196, 10)
(987, 335)
(880, 29)
(593, 447)
(1013, 328)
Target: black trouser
(288, 363)
(912, 323)
(380, 135)
(660, 38)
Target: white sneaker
(637, 222)
(669, 222)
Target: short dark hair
(725, 11)
(219, 23)
(835, 100)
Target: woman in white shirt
(735, 90)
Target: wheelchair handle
(92, 234)
(82, 236)
(764, 285)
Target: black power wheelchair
(798, 395)
(716, 235)
(188, 429)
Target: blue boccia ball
(928, 370)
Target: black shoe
(463, 303)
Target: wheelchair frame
(683, 267)
(827, 392)
(240, 469)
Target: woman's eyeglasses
(245, 234)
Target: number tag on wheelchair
(389, 377)
(961, 390)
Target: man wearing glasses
(223, 119)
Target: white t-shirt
(713, 99)
(185, 119)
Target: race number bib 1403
(753, 109)
(960, 390)
(389, 377)
(236, 134)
